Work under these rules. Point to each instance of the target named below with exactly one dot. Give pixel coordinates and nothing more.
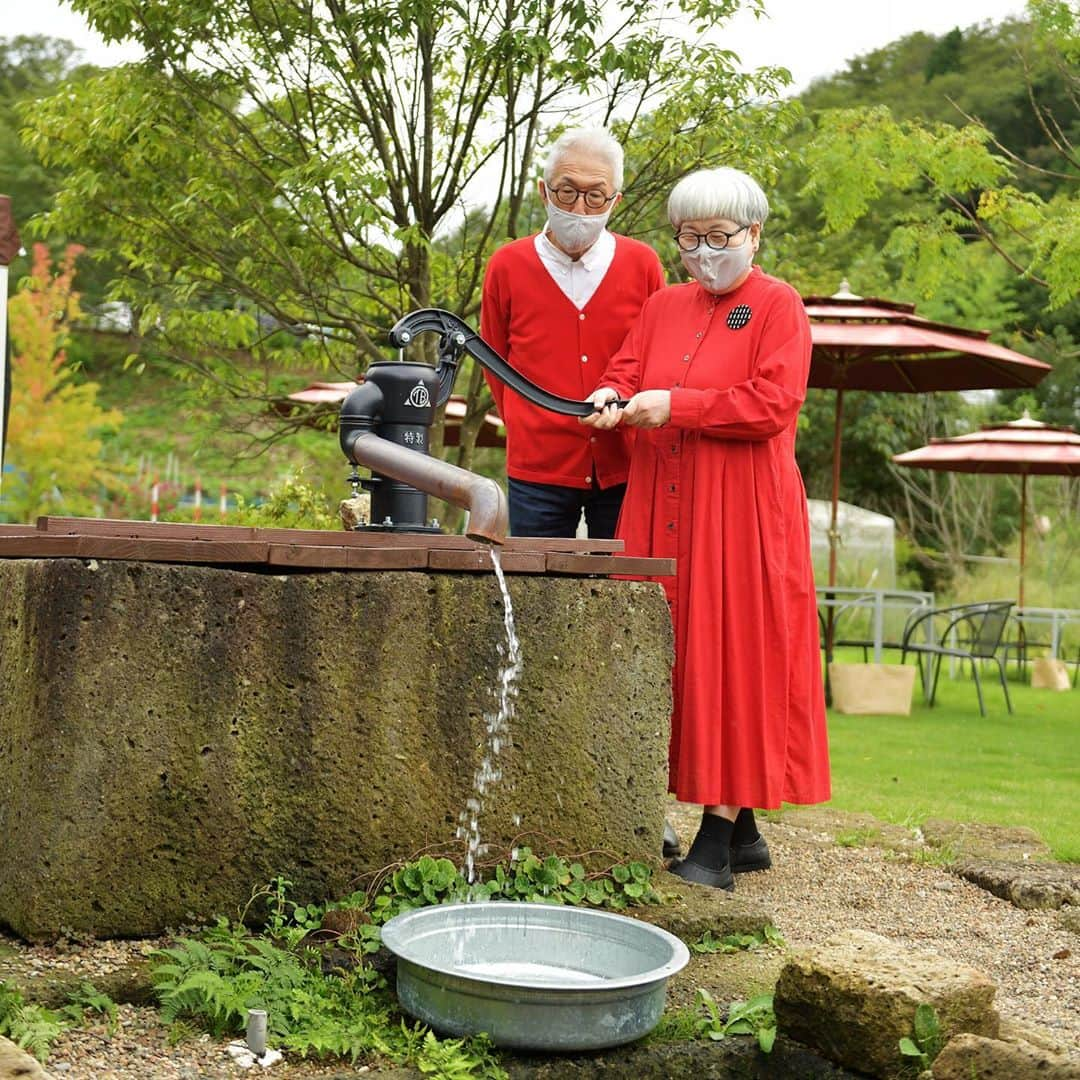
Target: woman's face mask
(575, 233)
(717, 271)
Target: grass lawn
(948, 761)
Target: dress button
(686, 357)
(581, 315)
(588, 479)
(698, 334)
(584, 359)
(592, 438)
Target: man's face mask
(575, 232)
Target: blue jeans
(554, 510)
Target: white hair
(717, 193)
(594, 142)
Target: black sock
(712, 845)
(746, 830)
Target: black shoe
(753, 856)
(717, 877)
(672, 849)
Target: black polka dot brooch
(739, 316)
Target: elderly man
(557, 306)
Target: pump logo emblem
(419, 398)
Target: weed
(852, 838)
(676, 1025)
(32, 1027)
(87, 998)
(730, 943)
(751, 1017)
(934, 856)
(928, 1038)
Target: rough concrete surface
(174, 736)
(17, 1064)
(966, 1056)
(854, 998)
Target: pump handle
(458, 335)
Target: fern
(32, 1027)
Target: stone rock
(1069, 919)
(691, 910)
(966, 1056)
(17, 1064)
(1032, 886)
(986, 843)
(175, 736)
(854, 999)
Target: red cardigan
(527, 319)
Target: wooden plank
(149, 530)
(353, 538)
(37, 546)
(479, 561)
(121, 547)
(17, 530)
(167, 530)
(559, 563)
(388, 558)
(307, 557)
(557, 543)
(321, 557)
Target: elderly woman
(715, 371)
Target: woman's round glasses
(717, 239)
(568, 195)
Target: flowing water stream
(496, 729)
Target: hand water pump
(385, 424)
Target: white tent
(866, 555)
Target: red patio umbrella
(492, 432)
(872, 344)
(1025, 447)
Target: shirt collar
(595, 257)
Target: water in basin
(553, 974)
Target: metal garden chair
(972, 632)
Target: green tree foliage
(960, 193)
(54, 434)
(296, 176)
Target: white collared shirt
(577, 278)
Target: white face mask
(575, 232)
(717, 271)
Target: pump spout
(488, 516)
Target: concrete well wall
(173, 736)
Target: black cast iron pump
(392, 410)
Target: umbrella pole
(834, 534)
(1023, 535)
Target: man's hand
(649, 409)
(607, 415)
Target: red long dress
(718, 489)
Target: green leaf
(909, 1049)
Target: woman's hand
(649, 409)
(606, 416)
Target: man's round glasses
(568, 195)
(717, 239)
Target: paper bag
(1049, 674)
(872, 689)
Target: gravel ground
(815, 888)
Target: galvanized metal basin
(533, 976)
